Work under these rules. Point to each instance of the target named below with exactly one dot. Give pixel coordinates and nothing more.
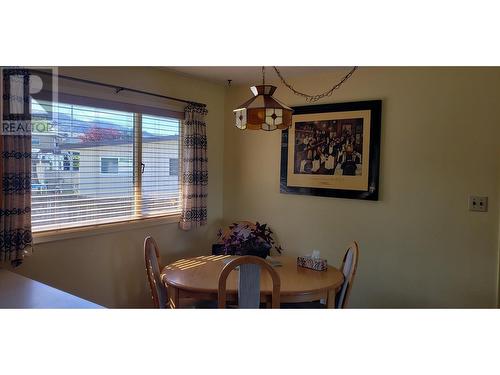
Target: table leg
(173, 296)
(330, 300)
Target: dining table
(197, 278)
(20, 292)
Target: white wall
(156, 157)
(420, 246)
(109, 268)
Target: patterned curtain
(15, 168)
(194, 168)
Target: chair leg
(330, 301)
(173, 294)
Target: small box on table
(316, 264)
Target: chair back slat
(153, 272)
(249, 286)
(349, 267)
(249, 282)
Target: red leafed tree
(98, 134)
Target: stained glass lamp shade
(263, 111)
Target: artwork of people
(332, 147)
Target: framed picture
(333, 150)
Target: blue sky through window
(152, 125)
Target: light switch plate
(477, 203)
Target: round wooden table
(197, 278)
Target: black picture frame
(372, 193)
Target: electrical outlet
(477, 203)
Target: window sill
(102, 229)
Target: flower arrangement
(248, 239)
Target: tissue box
(316, 264)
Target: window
(160, 143)
(109, 165)
(173, 167)
(95, 166)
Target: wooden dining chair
(248, 282)
(349, 267)
(152, 259)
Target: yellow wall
(420, 246)
(109, 268)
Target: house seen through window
(95, 165)
(173, 167)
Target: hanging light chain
(315, 98)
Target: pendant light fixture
(263, 111)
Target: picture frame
(333, 150)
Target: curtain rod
(118, 88)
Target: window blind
(94, 165)
(160, 182)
